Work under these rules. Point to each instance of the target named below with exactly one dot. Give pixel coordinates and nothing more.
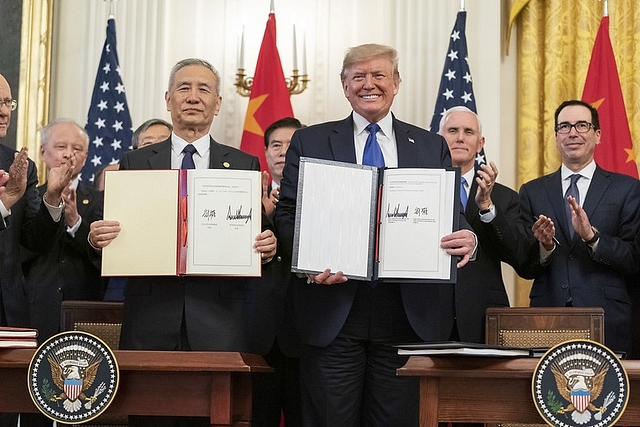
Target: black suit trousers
(358, 369)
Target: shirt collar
(74, 183)
(469, 177)
(386, 124)
(201, 144)
(586, 172)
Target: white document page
(145, 202)
(225, 216)
(416, 212)
(335, 218)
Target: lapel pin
(226, 165)
(85, 201)
(411, 141)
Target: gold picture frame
(35, 77)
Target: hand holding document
(382, 224)
(183, 222)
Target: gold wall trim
(35, 77)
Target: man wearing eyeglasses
(24, 219)
(582, 222)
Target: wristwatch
(486, 211)
(594, 239)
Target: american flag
(108, 121)
(456, 85)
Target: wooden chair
(102, 319)
(542, 327)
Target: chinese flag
(602, 90)
(269, 100)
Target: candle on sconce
(304, 52)
(241, 52)
(295, 49)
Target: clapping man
(582, 222)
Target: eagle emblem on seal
(580, 386)
(580, 383)
(73, 377)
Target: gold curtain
(555, 39)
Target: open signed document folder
(375, 224)
(200, 222)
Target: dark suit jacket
(67, 272)
(321, 310)
(269, 308)
(212, 307)
(31, 225)
(574, 270)
(480, 283)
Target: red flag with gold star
(602, 90)
(269, 100)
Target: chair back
(531, 327)
(100, 318)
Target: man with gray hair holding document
(186, 313)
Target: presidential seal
(580, 383)
(73, 377)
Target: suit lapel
(408, 155)
(558, 202)
(161, 157)
(84, 198)
(6, 157)
(342, 150)
(600, 183)
(471, 211)
(219, 156)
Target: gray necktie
(463, 193)
(571, 191)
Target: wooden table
(207, 384)
(490, 390)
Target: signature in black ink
(239, 215)
(209, 213)
(396, 212)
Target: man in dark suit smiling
(347, 369)
(594, 216)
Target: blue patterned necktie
(187, 159)
(463, 193)
(372, 154)
(571, 191)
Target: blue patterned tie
(187, 159)
(463, 193)
(572, 191)
(372, 154)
